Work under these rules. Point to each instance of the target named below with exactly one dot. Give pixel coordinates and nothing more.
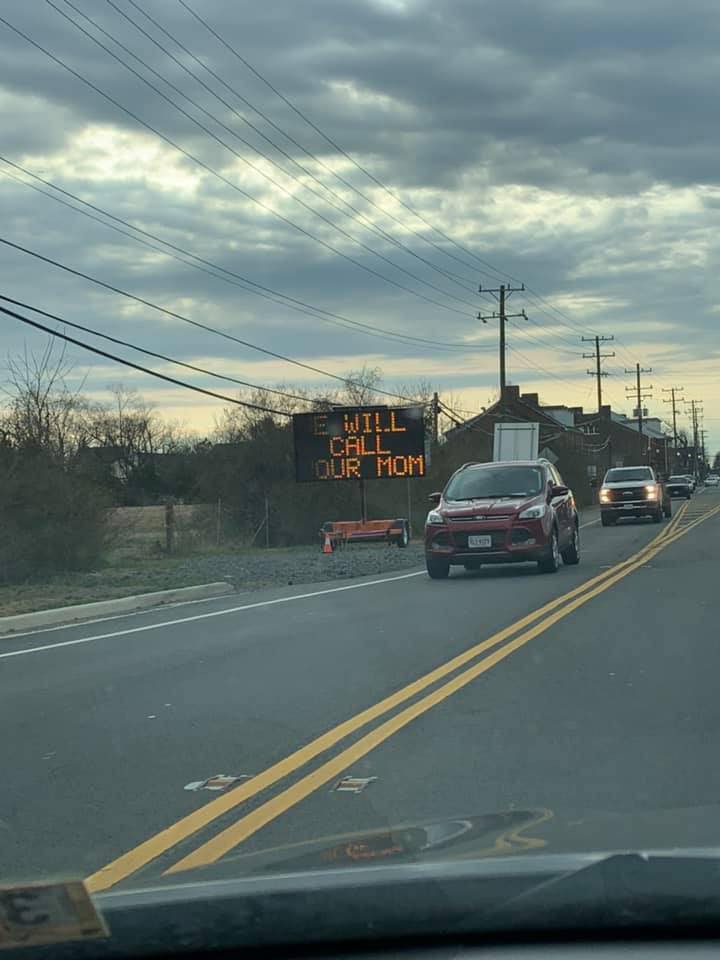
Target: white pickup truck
(633, 492)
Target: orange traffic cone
(327, 546)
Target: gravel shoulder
(244, 570)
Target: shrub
(52, 518)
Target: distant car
(691, 478)
(503, 512)
(712, 480)
(633, 492)
(679, 487)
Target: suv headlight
(604, 495)
(652, 490)
(534, 513)
(434, 517)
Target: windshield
(633, 473)
(678, 480)
(345, 347)
(478, 482)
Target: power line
(460, 281)
(233, 133)
(194, 323)
(152, 353)
(540, 368)
(211, 170)
(244, 283)
(137, 366)
(336, 146)
(540, 301)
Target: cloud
(567, 144)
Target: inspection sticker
(34, 914)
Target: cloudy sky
(567, 144)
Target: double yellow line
(210, 851)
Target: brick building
(582, 445)
(560, 440)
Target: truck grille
(480, 518)
(628, 494)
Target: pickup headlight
(435, 517)
(604, 496)
(652, 490)
(534, 513)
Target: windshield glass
(478, 482)
(678, 480)
(631, 473)
(345, 347)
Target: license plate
(628, 506)
(478, 541)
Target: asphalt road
(588, 697)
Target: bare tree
(361, 385)
(238, 423)
(42, 411)
(131, 427)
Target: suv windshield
(631, 473)
(678, 480)
(479, 482)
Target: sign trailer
(361, 443)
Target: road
(589, 696)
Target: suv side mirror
(434, 498)
(557, 490)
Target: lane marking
(206, 616)
(79, 624)
(244, 828)
(166, 623)
(139, 856)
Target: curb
(101, 608)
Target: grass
(136, 563)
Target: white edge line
(589, 523)
(206, 616)
(80, 622)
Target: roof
(497, 410)
(539, 462)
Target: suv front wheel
(550, 563)
(437, 569)
(571, 553)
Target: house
(582, 445)
(561, 441)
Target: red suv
(507, 512)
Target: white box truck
(516, 441)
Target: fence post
(409, 506)
(169, 527)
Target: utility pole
(501, 294)
(675, 394)
(598, 371)
(435, 408)
(702, 447)
(695, 409)
(640, 396)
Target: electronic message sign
(359, 443)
